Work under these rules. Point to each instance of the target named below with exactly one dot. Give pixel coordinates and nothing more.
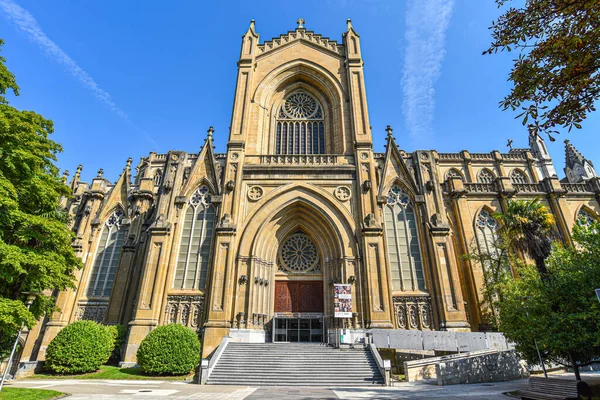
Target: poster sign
(342, 300)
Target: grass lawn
(399, 377)
(10, 393)
(111, 372)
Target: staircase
(294, 364)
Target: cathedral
(253, 243)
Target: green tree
(35, 241)
(556, 76)
(527, 226)
(497, 266)
(561, 313)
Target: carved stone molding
(187, 310)
(93, 311)
(413, 312)
(343, 193)
(255, 193)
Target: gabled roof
(301, 34)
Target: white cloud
(425, 37)
(28, 24)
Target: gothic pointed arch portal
(294, 256)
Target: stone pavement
(165, 390)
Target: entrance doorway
(298, 311)
(305, 330)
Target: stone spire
(543, 162)
(577, 167)
(76, 178)
(389, 131)
(209, 137)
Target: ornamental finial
(509, 144)
(100, 173)
(300, 23)
(210, 131)
(389, 131)
(129, 160)
(79, 168)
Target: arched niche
(312, 78)
(298, 206)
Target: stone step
(290, 357)
(281, 364)
(310, 367)
(294, 354)
(294, 365)
(321, 377)
(309, 383)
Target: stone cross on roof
(300, 23)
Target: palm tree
(528, 226)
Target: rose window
(300, 105)
(300, 125)
(298, 254)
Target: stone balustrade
(299, 159)
(481, 187)
(576, 187)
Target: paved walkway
(165, 390)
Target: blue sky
(123, 78)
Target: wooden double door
(299, 297)
(298, 311)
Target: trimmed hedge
(80, 347)
(117, 332)
(169, 350)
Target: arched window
(486, 233)
(107, 256)
(517, 176)
(454, 173)
(486, 176)
(196, 236)
(157, 177)
(585, 218)
(297, 254)
(300, 127)
(403, 242)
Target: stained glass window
(518, 177)
(487, 234)
(196, 236)
(403, 242)
(585, 218)
(107, 256)
(486, 176)
(298, 254)
(453, 173)
(300, 125)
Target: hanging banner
(342, 300)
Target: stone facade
(203, 239)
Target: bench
(555, 388)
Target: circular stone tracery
(298, 253)
(300, 105)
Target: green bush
(117, 332)
(80, 347)
(169, 350)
